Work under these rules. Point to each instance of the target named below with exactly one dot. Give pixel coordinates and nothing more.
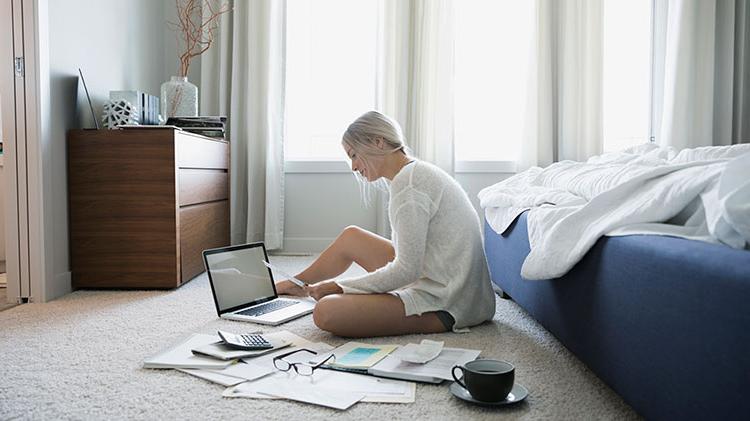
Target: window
(493, 40)
(330, 73)
(626, 73)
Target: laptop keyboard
(267, 308)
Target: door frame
(23, 100)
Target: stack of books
(211, 126)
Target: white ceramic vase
(179, 98)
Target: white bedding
(701, 193)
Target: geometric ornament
(119, 111)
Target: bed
(664, 321)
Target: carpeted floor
(79, 357)
(4, 298)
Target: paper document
(213, 376)
(232, 375)
(181, 355)
(258, 366)
(291, 278)
(247, 371)
(223, 352)
(311, 392)
(374, 389)
(434, 371)
(419, 354)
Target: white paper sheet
(311, 393)
(181, 356)
(213, 376)
(251, 371)
(439, 368)
(228, 375)
(426, 351)
(374, 389)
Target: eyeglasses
(303, 369)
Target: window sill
(485, 167)
(312, 167)
(340, 167)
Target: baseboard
(306, 244)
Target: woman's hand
(288, 288)
(321, 289)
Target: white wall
(119, 45)
(318, 206)
(172, 46)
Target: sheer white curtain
(415, 80)
(242, 77)
(701, 71)
(415, 77)
(564, 112)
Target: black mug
(486, 380)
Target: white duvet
(701, 193)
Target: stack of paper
(255, 376)
(426, 351)
(181, 355)
(434, 371)
(223, 352)
(338, 389)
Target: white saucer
(517, 394)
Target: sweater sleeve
(411, 221)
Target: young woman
(431, 278)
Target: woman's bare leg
(353, 245)
(356, 316)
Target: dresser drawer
(199, 186)
(202, 226)
(200, 152)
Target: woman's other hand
(288, 288)
(321, 289)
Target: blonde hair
(363, 136)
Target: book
(181, 355)
(358, 357)
(220, 351)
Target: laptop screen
(239, 277)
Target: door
(15, 96)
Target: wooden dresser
(143, 204)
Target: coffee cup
(486, 380)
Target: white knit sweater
(440, 262)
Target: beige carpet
(4, 304)
(79, 357)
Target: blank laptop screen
(239, 277)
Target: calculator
(250, 341)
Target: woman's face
(358, 165)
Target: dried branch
(197, 22)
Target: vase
(179, 98)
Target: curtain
(242, 77)
(415, 79)
(701, 69)
(564, 111)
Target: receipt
(426, 351)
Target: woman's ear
(381, 143)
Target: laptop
(244, 289)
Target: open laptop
(244, 289)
